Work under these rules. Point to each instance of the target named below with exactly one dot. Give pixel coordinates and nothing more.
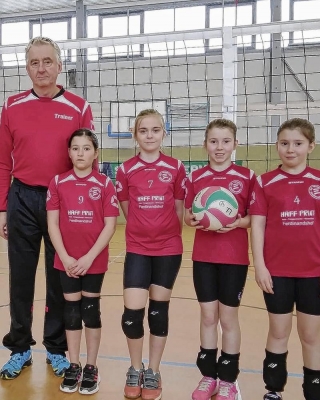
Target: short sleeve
(180, 183)
(122, 185)
(110, 201)
(53, 200)
(190, 194)
(258, 204)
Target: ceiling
(24, 6)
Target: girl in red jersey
(82, 211)
(150, 189)
(220, 264)
(286, 251)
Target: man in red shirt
(34, 131)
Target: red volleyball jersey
(291, 205)
(153, 227)
(83, 203)
(34, 133)
(222, 248)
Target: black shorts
(142, 271)
(90, 283)
(223, 282)
(302, 292)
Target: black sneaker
(90, 380)
(71, 379)
(272, 396)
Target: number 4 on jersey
(296, 200)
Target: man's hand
(3, 225)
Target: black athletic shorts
(90, 283)
(302, 292)
(142, 271)
(223, 282)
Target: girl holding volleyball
(151, 190)
(285, 245)
(220, 264)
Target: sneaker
(12, 369)
(59, 363)
(207, 387)
(90, 380)
(227, 391)
(71, 378)
(272, 396)
(151, 388)
(132, 389)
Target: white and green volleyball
(215, 207)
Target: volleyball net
(256, 75)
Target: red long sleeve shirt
(34, 133)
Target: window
(306, 10)
(56, 30)
(14, 33)
(230, 16)
(159, 21)
(121, 26)
(190, 18)
(92, 32)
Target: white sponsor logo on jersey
(62, 116)
(95, 193)
(253, 198)
(165, 176)
(314, 191)
(235, 187)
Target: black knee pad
(275, 372)
(72, 315)
(207, 362)
(158, 317)
(228, 367)
(132, 323)
(90, 311)
(311, 384)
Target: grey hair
(39, 40)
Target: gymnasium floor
(179, 373)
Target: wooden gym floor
(179, 373)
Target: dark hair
(303, 125)
(221, 123)
(85, 132)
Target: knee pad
(207, 362)
(72, 315)
(311, 384)
(158, 318)
(90, 311)
(275, 372)
(132, 323)
(228, 367)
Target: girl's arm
(56, 239)
(85, 262)
(263, 277)
(124, 207)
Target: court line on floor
(166, 363)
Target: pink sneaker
(227, 391)
(207, 387)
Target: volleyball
(215, 207)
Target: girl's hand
(190, 220)
(263, 279)
(230, 227)
(69, 264)
(83, 264)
